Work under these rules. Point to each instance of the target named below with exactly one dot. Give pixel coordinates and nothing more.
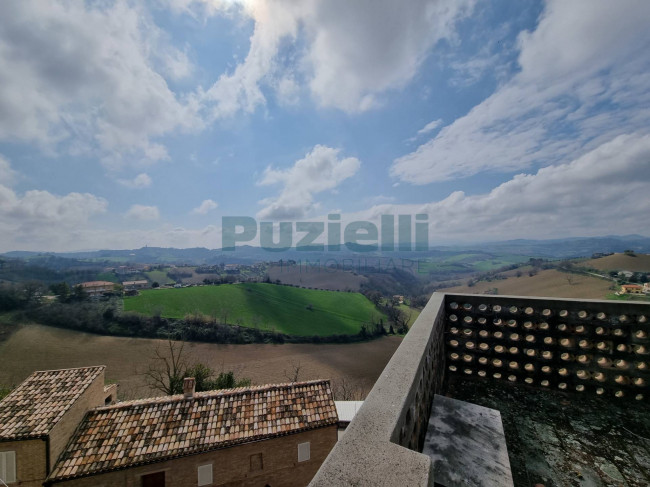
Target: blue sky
(124, 124)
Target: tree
(32, 292)
(79, 293)
(374, 297)
(9, 298)
(155, 284)
(170, 365)
(344, 390)
(61, 291)
(227, 380)
(294, 374)
(167, 368)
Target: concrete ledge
(467, 445)
(394, 417)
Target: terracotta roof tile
(147, 430)
(37, 404)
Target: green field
(159, 276)
(265, 306)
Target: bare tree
(167, 368)
(345, 390)
(171, 363)
(294, 374)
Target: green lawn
(160, 277)
(629, 297)
(266, 306)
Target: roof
(97, 283)
(38, 403)
(632, 286)
(131, 283)
(149, 430)
(346, 410)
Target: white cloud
(353, 51)
(430, 127)
(320, 170)
(602, 192)
(143, 213)
(583, 81)
(89, 74)
(40, 218)
(140, 181)
(7, 175)
(205, 207)
(38, 207)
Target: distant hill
(570, 247)
(556, 248)
(548, 283)
(621, 262)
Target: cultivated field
(286, 309)
(550, 283)
(620, 262)
(36, 347)
(319, 277)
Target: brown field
(36, 347)
(548, 283)
(317, 277)
(620, 262)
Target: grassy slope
(264, 305)
(546, 283)
(617, 262)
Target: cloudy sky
(128, 123)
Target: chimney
(188, 387)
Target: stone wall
(31, 469)
(60, 434)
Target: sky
(132, 123)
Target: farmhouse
(130, 285)
(631, 289)
(97, 288)
(61, 428)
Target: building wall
(231, 467)
(61, 432)
(30, 461)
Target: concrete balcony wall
(587, 338)
(379, 447)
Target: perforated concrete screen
(574, 346)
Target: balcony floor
(559, 439)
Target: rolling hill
(620, 262)
(550, 283)
(286, 309)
